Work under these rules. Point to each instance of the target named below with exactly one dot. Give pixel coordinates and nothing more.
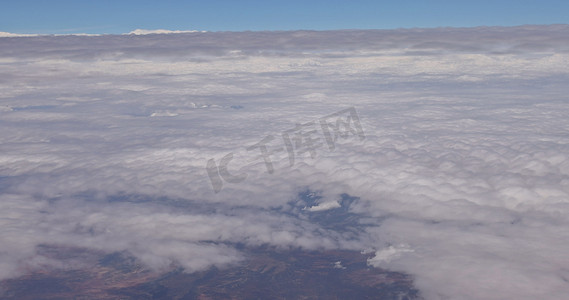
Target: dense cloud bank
(460, 169)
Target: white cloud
(462, 178)
(9, 34)
(338, 265)
(160, 31)
(324, 206)
(384, 256)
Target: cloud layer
(462, 178)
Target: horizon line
(140, 31)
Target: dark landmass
(267, 273)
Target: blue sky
(104, 16)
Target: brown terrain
(267, 273)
